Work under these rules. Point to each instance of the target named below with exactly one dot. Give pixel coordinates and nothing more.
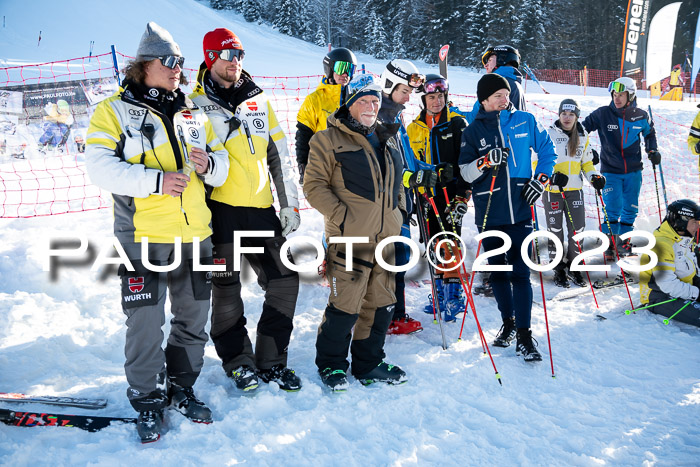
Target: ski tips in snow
(79, 402)
(42, 419)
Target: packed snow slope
(626, 392)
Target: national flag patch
(252, 105)
(219, 260)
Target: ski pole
(571, 220)
(423, 226)
(600, 228)
(449, 246)
(426, 236)
(627, 312)
(470, 298)
(607, 221)
(663, 184)
(666, 321)
(658, 200)
(544, 300)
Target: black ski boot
(245, 378)
(149, 425)
(560, 279)
(577, 278)
(383, 373)
(283, 376)
(335, 380)
(506, 334)
(184, 401)
(526, 347)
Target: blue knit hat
(360, 86)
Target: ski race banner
(635, 40)
(660, 43)
(47, 119)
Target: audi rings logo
(258, 123)
(193, 133)
(210, 108)
(137, 112)
(153, 92)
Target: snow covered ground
(626, 392)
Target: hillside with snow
(626, 391)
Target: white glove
(290, 220)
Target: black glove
(445, 172)
(493, 158)
(654, 157)
(302, 168)
(596, 157)
(697, 147)
(420, 178)
(598, 182)
(534, 188)
(559, 179)
(457, 209)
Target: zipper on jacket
(247, 134)
(510, 199)
(622, 140)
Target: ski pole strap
(666, 321)
(627, 312)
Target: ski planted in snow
(442, 56)
(84, 422)
(80, 402)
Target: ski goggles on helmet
(171, 61)
(344, 67)
(486, 55)
(438, 85)
(229, 54)
(415, 80)
(617, 87)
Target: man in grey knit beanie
(156, 42)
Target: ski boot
(283, 376)
(560, 279)
(149, 425)
(441, 298)
(526, 347)
(577, 278)
(506, 334)
(383, 373)
(244, 378)
(454, 302)
(184, 401)
(405, 325)
(334, 380)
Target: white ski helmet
(400, 72)
(624, 84)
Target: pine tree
(251, 10)
(320, 38)
(377, 42)
(285, 17)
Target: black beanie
(489, 84)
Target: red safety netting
(37, 182)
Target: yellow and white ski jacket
(256, 145)
(129, 147)
(677, 266)
(573, 165)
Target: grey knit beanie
(157, 42)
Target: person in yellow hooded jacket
(338, 66)
(673, 285)
(243, 118)
(154, 150)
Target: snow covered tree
(285, 17)
(377, 43)
(251, 11)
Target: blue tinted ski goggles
(171, 61)
(229, 54)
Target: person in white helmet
(399, 80)
(621, 125)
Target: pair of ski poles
(666, 320)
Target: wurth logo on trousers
(137, 297)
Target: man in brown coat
(353, 178)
